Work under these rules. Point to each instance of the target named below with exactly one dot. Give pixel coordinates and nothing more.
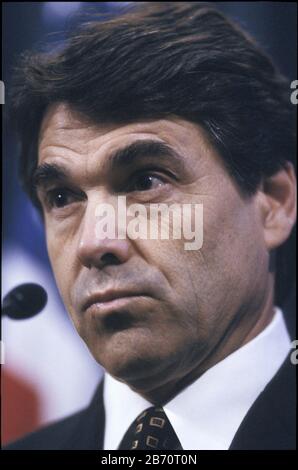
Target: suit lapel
(89, 432)
(270, 422)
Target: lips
(109, 298)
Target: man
(169, 103)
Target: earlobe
(277, 204)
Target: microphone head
(24, 301)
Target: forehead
(64, 127)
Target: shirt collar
(207, 414)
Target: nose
(98, 244)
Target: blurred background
(48, 371)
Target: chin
(130, 364)
(134, 354)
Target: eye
(145, 182)
(60, 197)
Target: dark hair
(161, 59)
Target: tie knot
(151, 418)
(151, 430)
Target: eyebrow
(129, 154)
(48, 173)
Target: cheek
(55, 252)
(60, 258)
(168, 257)
(233, 256)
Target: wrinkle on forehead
(64, 127)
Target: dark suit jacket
(269, 424)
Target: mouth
(108, 302)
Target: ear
(277, 204)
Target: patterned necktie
(151, 430)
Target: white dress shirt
(207, 414)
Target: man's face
(156, 311)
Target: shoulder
(82, 430)
(51, 437)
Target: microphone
(24, 301)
